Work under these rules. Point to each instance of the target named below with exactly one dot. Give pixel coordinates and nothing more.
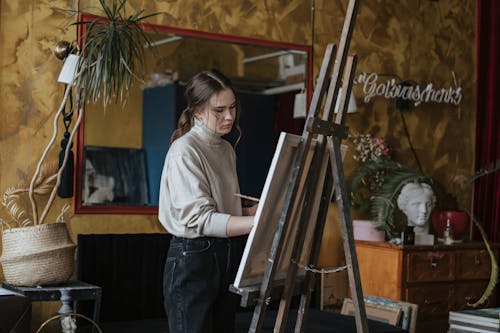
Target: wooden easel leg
(347, 232)
(291, 196)
(310, 277)
(310, 207)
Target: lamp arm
(44, 155)
(61, 168)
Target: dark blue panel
(257, 143)
(159, 121)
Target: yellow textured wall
(116, 125)
(415, 39)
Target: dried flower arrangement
(369, 149)
(16, 202)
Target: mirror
(121, 148)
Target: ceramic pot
(367, 230)
(459, 222)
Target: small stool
(66, 293)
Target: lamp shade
(68, 70)
(300, 105)
(352, 108)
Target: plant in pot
(382, 200)
(110, 56)
(397, 175)
(448, 210)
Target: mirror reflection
(121, 148)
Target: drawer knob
(477, 261)
(433, 263)
(432, 301)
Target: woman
(198, 207)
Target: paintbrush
(247, 197)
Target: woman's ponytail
(184, 124)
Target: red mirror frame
(79, 208)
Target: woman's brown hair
(199, 90)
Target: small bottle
(447, 234)
(408, 236)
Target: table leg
(66, 301)
(68, 324)
(97, 310)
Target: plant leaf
(494, 265)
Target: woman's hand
(250, 211)
(241, 225)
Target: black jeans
(195, 285)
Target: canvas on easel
(258, 245)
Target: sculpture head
(416, 201)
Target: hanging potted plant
(110, 56)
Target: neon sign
(418, 94)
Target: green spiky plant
(112, 54)
(397, 175)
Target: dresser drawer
(435, 325)
(430, 266)
(473, 264)
(432, 300)
(470, 292)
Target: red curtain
(487, 189)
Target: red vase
(459, 222)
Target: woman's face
(220, 112)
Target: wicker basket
(37, 255)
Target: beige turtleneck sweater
(198, 184)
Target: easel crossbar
(326, 128)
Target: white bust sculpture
(416, 201)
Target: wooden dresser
(438, 278)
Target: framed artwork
(114, 176)
(258, 246)
(409, 311)
(334, 289)
(387, 314)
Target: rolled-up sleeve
(191, 207)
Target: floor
(318, 322)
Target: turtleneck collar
(205, 133)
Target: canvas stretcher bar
(255, 255)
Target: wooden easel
(329, 136)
